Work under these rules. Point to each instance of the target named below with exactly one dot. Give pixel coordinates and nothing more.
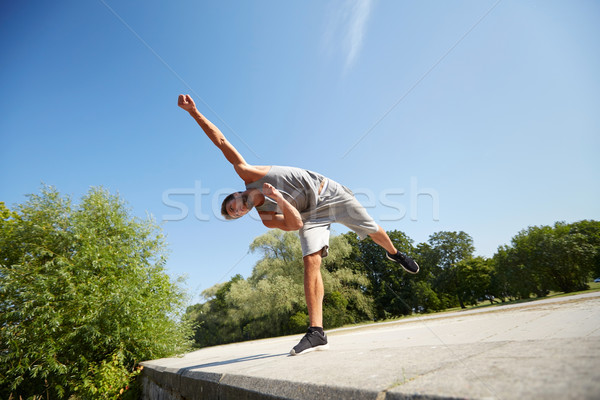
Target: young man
(293, 199)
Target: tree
(83, 297)
(474, 278)
(214, 325)
(511, 278)
(451, 247)
(590, 234)
(429, 295)
(447, 250)
(389, 287)
(560, 257)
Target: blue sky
(479, 116)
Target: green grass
(594, 287)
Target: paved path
(546, 349)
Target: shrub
(83, 297)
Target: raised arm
(213, 133)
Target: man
(293, 199)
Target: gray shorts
(336, 203)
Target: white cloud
(347, 27)
(359, 11)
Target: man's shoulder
(252, 173)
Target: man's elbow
(297, 225)
(292, 226)
(220, 142)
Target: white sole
(316, 348)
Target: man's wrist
(280, 199)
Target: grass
(594, 287)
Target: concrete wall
(179, 385)
(170, 384)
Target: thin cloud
(358, 15)
(347, 27)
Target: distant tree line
(362, 285)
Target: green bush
(298, 322)
(83, 297)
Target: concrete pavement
(546, 349)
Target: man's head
(236, 205)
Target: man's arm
(290, 220)
(216, 136)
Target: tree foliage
(388, 286)
(474, 279)
(544, 258)
(83, 297)
(271, 301)
(361, 284)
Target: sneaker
(407, 263)
(313, 340)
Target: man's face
(240, 205)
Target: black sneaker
(313, 340)
(407, 263)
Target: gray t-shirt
(300, 187)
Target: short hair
(224, 212)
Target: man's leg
(348, 211)
(381, 238)
(313, 288)
(315, 338)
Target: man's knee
(312, 260)
(379, 231)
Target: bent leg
(313, 288)
(381, 238)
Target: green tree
(474, 279)
(562, 257)
(447, 250)
(511, 278)
(83, 297)
(429, 295)
(590, 234)
(214, 324)
(451, 247)
(389, 286)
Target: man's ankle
(316, 328)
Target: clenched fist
(186, 102)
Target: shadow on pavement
(235, 360)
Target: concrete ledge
(546, 349)
(165, 385)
